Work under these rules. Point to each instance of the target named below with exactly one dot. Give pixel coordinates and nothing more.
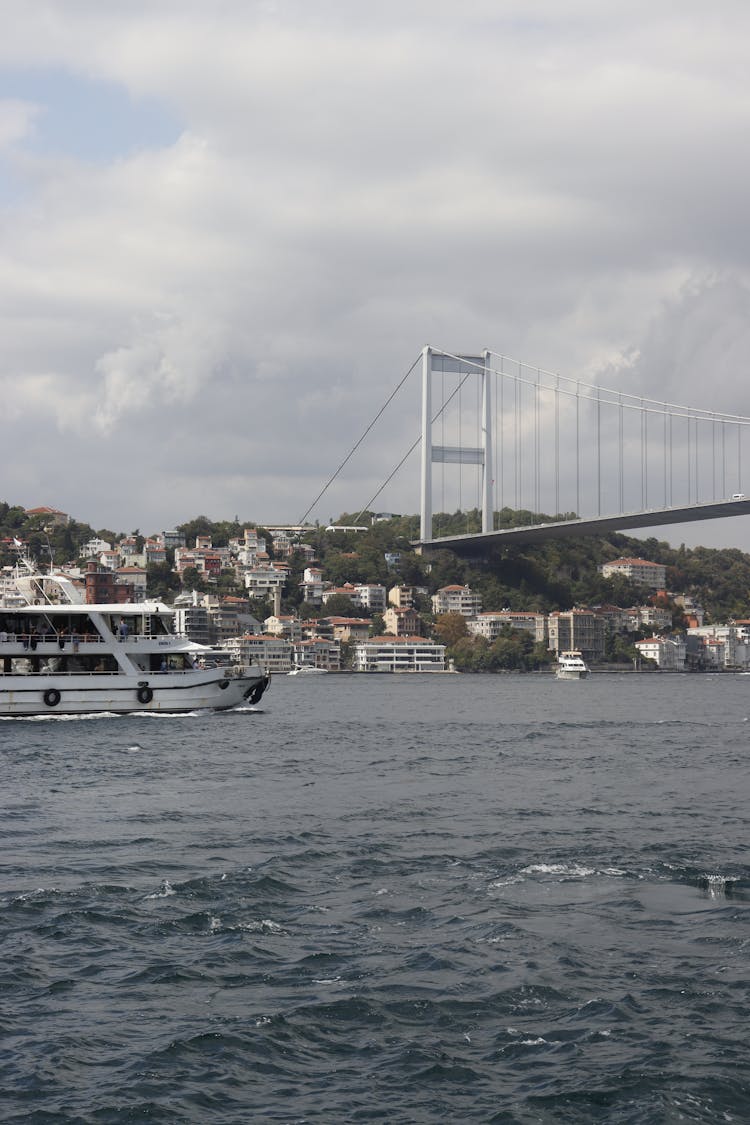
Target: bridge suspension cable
(359, 441)
(415, 443)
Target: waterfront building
(318, 652)
(274, 654)
(724, 646)
(576, 629)
(398, 654)
(668, 652)
(490, 625)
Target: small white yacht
(62, 655)
(571, 666)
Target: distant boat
(571, 666)
(308, 670)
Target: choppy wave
(380, 906)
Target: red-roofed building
(457, 599)
(642, 571)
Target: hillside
(555, 575)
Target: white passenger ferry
(60, 655)
(571, 666)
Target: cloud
(230, 297)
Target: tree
(377, 625)
(161, 580)
(192, 579)
(450, 628)
(341, 606)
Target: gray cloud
(209, 325)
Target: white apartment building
(192, 619)
(109, 559)
(318, 652)
(312, 585)
(284, 625)
(642, 571)
(724, 646)
(275, 654)
(94, 547)
(457, 599)
(370, 596)
(667, 652)
(263, 581)
(489, 625)
(398, 654)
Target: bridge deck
(596, 525)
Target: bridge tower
(465, 367)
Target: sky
(228, 229)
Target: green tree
(341, 606)
(450, 628)
(192, 579)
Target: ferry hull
(23, 696)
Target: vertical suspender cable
(620, 475)
(723, 460)
(537, 485)
(577, 448)
(664, 439)
(557, 446)
(643, 461)
(689, 460)
(501, 461)
(460, 446)
(516, 443)
(645, 457)
(671, 479)
(598, 451)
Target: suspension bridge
(523, 441)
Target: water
(398, 899)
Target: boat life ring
(52, 697)
(145, 694)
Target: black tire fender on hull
(145, 694)
(253, 694)
(52, 697)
